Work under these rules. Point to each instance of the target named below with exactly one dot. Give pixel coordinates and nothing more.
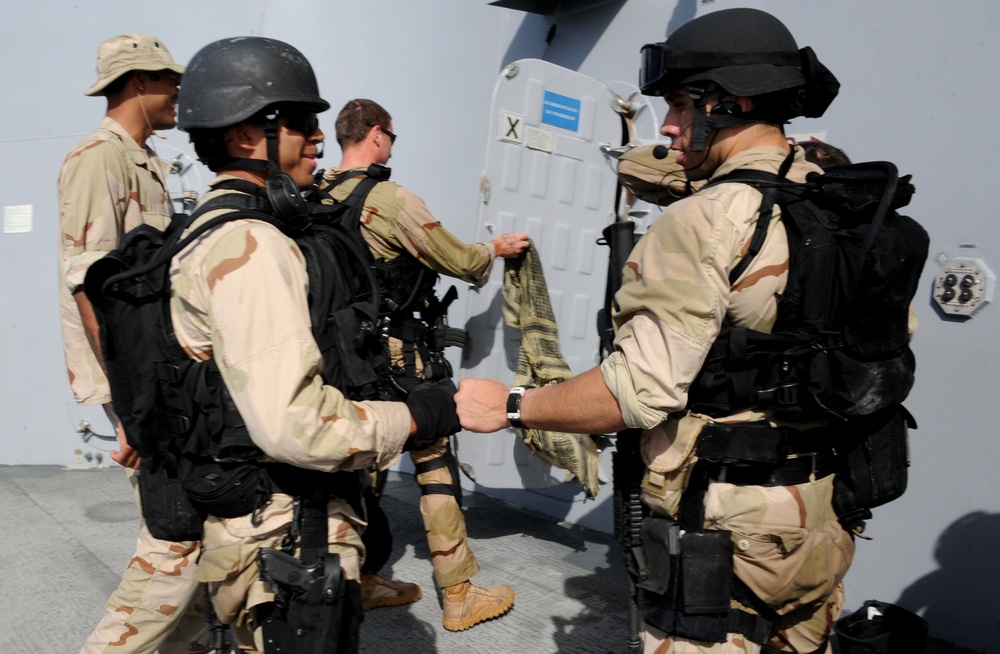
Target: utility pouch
(661, 548)
(706, 571)
(689, 581)
(315, 610)
(227, 490)
(168, 512)
(873, 463)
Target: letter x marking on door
(511, 127)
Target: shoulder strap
(356, 200)
(175, 243)
(374, 174)
(767, 184)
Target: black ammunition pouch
(873, 463)
(227, 490)
(689, 583)
(315, 610)
(168, 511)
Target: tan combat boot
(377, 592)
(466, 605)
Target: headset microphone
(661, 152)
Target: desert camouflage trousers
(229, 559)
(789, 549)
(158, 603)
(444, 522)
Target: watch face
(514, 406)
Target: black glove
(432, 405)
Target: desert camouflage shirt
(239, 294)
(676, 289)
(395, 221)
(108, 185)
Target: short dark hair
(823, 154)
(356, 118)
(210, 146)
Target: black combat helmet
(233, 79)
(746, 53)
(240, 78)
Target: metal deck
(68, 533)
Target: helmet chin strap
(269, 167)
(724, 114)
(701, 126)
(271, 134)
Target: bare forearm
(583, 405)
(580, 405)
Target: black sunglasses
(392, 137)
(305, 122)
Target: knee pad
(446, 460)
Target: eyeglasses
(392, 137)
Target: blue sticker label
(561, 111)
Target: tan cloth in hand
(526, 307)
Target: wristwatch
(514, 406)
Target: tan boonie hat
(121, 54)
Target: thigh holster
(315, 610)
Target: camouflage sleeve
(425, 238)
(255, 287)
(672, 301)
(93, 196)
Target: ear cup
(727, 108)
(287, 201)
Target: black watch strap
(514, 406)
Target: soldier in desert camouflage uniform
(110, 183)
(240, 298)
(789, 550)
(397, 226)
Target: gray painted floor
(70, 532)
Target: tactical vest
(411, 311)
(839, 347)
(197, 455)
(839, 351)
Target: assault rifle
(627, 468)
(626, 462)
